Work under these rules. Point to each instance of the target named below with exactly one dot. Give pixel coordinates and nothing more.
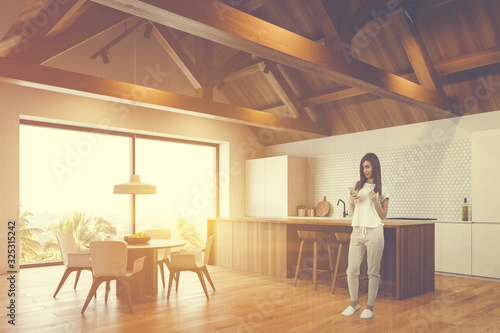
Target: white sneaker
(350, 310)
(366, 314)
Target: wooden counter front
(270, 246)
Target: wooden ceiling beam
(280, 85)
(249, 6)
(96, 20)
(244, 32)
(469, 61)
(177, 53)
(236, 62)
(205, 64)
(68, 13)
(244, 71)
(416, 52)
(53, 79)
(331, 95)
(446, 67)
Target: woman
(368, 204)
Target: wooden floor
(248, 302)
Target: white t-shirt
(365, 214)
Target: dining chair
(72, 259)
(163, 254)
(194, 260)
(109, 262)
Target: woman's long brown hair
(376, 174)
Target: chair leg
(298, 263)
(177, 276)
(204, 269)
(138, 278)
(108, 288)
(129, 295)
(202, 280)
(336, 269)
(78, 272)
(315, 266)
(126, 282)
(170, 279)
(162, 271)
(63, 279)
(95, 284)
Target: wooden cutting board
(322, 208)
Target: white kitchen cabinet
(453, 248)
(485, 175)
(486, 250)
(275, 186)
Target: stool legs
(315, 264)
(298, 264)
(330, 262)
(336, 268)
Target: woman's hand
(373, 196)
(353, 196)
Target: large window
(184, 175)
(67, 176)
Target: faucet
(344, 213)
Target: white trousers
(369, 241)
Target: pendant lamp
(134, 187)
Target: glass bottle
(465, 211)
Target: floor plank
(248, 302)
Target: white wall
(21, 102)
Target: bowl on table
(136, 240)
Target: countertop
(320, 220)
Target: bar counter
(270, 246)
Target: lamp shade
(134, 187)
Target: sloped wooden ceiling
(291, 69)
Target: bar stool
(315, 237)
(343, 239)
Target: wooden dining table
(150, 270)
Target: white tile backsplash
(423, 181)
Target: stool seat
(315, 237)
(343, 238)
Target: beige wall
(21, 102)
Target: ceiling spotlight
(410, 14)
(148, 31)
(104, 56)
